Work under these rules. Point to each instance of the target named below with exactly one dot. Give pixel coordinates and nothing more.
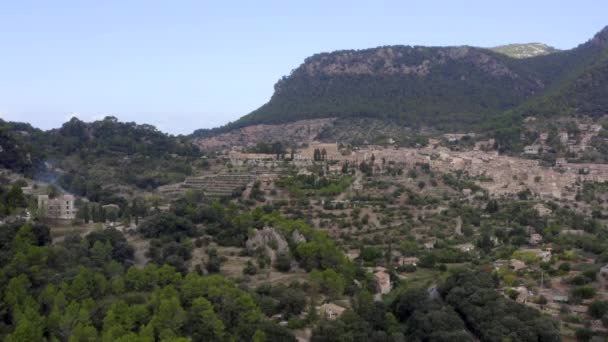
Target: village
(392, 210)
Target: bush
(407, 268)
(250, 268)
(583, 292)
(584, 335)
(283, 262)
(598, 309)
(296, 323)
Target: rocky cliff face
(418, 61)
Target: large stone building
(60, 207)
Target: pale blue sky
(183, 65)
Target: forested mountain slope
(441, 87)
(86, 158)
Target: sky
(184, 65)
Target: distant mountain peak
(525, 50)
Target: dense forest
(84, 158)
(87, 288)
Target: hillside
(446, 88)
(16, 152)
(89, 159)
(418, 85)
(583, 86)
(525, 50)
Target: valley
(397, 193)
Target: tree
(250, 268)
(14, 198)
(101, 252)
(84, 213)
(283, 262)
(81, 285)
(329, 282)
(52, 191)
(598, 308)
(168, 318)
(492, 206)
(584, 334)
(203, 323)
(30, 327)
(259, 336)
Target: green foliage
(442, 98)
(283, 262)
(78, 291)
(490, 316)
(582, 292)
(18, 154)
(166, 224)
(328, 282)
(303, 185)
(598, 308)
(204, 323)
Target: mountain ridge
(440, 87)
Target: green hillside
(440, 87)
(87, 158)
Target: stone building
(60, 207)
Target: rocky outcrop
(420, 61)
(297, 237)
(267, 240)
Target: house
(403, 261)
(330, 311)
(517, 265)
(542, 210)
(465, 247)
(532, 149)
(60, 207)
(353, 254)
(383, 282)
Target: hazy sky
(183, 65)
